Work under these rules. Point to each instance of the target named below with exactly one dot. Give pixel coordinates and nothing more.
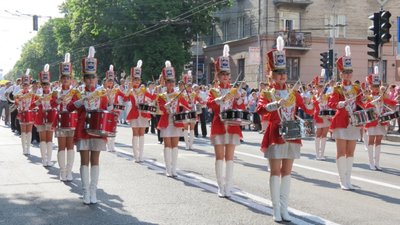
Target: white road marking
(328, 172)
(259, 203)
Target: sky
(16, 26)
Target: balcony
(296, 3)
(296, 40)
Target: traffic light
(375, 38)
(324, 60)
(35, 23)
(384, 26)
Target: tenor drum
(389, 116)
(326, 113)
(363, 117)
(147, 108)
(236, 117)
(49, 116)
(67, 120)
(185, 117)
(101, 123)
(308, 128)
(27, 117)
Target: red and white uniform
(340, 125)
(65, 93)
(166, 124)
(83, 140)
(193, 100)
(220, 133)
(44, 106)
(320, 102)
(25, 101)
(375, 127)
(139, 96)
(273, 145)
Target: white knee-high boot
(185, 136)
(28, 142)
(284, 197)
(342, 168)
(61, 164)
(23, 142)
(85, 184)
(135, 149)
(274, 187)
(377, 157)
(167, 160)
(219, 172)
(70, 164)
(349, 167)
(43, 150)
(322, 150)
(370, 149)
(49, 153)
(94, 178)
(228, 178)
(317, 148)
(174, 161)
(191, 139)
(141, 148)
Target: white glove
(273, 106)
(341, 104)
(219, 100)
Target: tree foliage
(122, 31)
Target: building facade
(309, 27)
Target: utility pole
(197, 58)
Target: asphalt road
(132, 193)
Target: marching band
(88, 118)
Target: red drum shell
(27, 116)
(49, 116)
(101, 123)
(67, 120)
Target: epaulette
(215, 92)
(162, 96)
(338, 90)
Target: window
(240, 26)
(373, 63)
(289, 21)
(337, 24)
(241, 71)
(293, 68)
(225, 29)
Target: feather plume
(280, 44)
(167, 63)
(189, 73)
(139, 63)
(67, 57)
(46, 68)
(111, 68)
(226, 51)
(376, 70)
(91, 52)
(347, 51)
(322, 72)
(27, 71)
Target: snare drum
(147, 108)
(363, 117)
(185, 117)
(101, 123)
(27, 117)
(67, 120)
(290, 130)
(119, 107)
(389, 116)
(236, 117)
(49, 116)
(326, 113)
